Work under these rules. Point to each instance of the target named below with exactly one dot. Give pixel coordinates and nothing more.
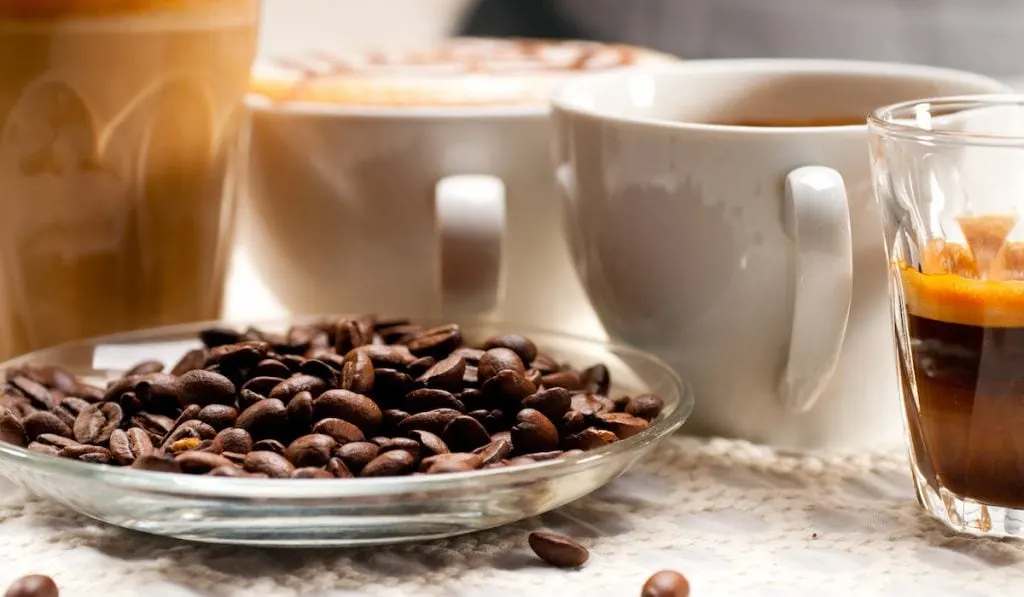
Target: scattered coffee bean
(356, 397)
(666, 583)
(33, 585)
(558, 550)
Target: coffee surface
(115, 140)
(836, 120)
(964, 390)
(464, 71)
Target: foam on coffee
(458, 72)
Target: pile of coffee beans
(353, 397)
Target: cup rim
(259, 104)
(561, 103)
(883, 120)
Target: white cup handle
(470, 215)
(817, 218)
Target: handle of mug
(817, 218)
(470, 218)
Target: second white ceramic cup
(749, 257)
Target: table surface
(738, 519)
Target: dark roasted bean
(311, 450)
(420, 366)
(341, 431)
(622, 424)
(435, 342)
(494, 451)
(357, 409)
(191, 360)
(263, 420)
(270, 368)
(292, 386)
(214, 337)
(389, 464)
(357, 455)
(262, 385)
(521, 345)
(128, 446)
(553, 402)
(497, 360)
(218, 416)
(446, 374)
(205, 387)
(590, 439)
(508, 387)
(200, 463)
(146, 367)
(569, 380)
(533, 433)
(589, 405)
(159, 391)
(357, 374)
(430, 444)
(645, 406)
(11, 429)
(558, 550)
(352, 333)
(69, 409)
(422, 400)
(337, 468)
(33, 585)
(271, 464)
(433, 421)
(39, 394)
(268, 445)
(465, 434)
(233, 440)
(401, 443)
(596, 380)
(666, 583)
(322, 370)
(95, 423)
(41, 422)
(393, 356)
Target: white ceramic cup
(750, 258)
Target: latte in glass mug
(118, 122)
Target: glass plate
(319, 512)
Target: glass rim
(883, 120)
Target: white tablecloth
(737, 519)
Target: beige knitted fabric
(739, 520)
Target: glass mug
(949, 177)
(119, 124)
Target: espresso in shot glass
(118, 125)
(956, 253)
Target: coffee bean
(420, 366)
(553, 402)
(156, 425)
(146, 367)
(535, 377)
(558, 550)
(33, 585)
(533, 433)
(264, 419)
(590, 405)
(497, 360)
(433, 421)
(590, 439)
(288, 388)
(666, 583)
(311, 473)
(247, 398)
(241, 355)
(357, 374)
(465, 434)
(218, 416)
(11, 429)
(544, 364)
(40, 396)
(569, 380)
(158, 463)
(270, 368)
(340, 431)
(204, 388)
(39, 448)
(422, 400)
(596, 380)
(431, 445)
(645, 406)
(200, 463)
(623, 425)
(311, 450)
(69, 409)
(214, 337)
(572, 423)
(521, 345)
(508, 387)
(95, 423)
(352, 333)
(264, 384)
(300, 411)
(389, 464)
(322, 370)
(401, 443)
(271, 464)
(451, 463)
(336, 467)
(158, 391)
(357, 409)
(128, 446)
(234, 440)
(190, 361)
(445, 375)
(357, 455)
(269, 445)
(392, 356)
(56, 441)
(41, 422)
(495, 451)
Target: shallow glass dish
(339, 512)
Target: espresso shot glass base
(965, 515)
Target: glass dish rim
(882, 121)
(226, 487)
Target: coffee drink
(458, 72)
(118, 124)
(351, 397)
(814, 121)
(963, 380)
